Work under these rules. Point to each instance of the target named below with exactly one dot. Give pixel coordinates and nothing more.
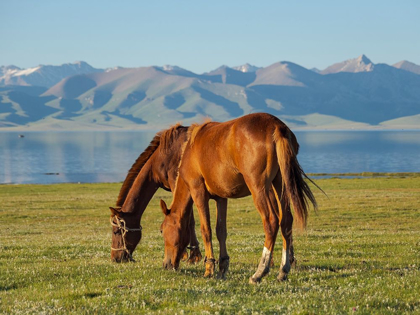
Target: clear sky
(203, 35)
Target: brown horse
(156, 167)
(249, 155)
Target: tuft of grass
(359, 255)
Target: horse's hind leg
(286, 219)
(286, 231)
(221, 232)
(195, 254)
(270, 220)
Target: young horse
(155, 168)
(249, 155)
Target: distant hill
(348, 95)
(231, 76)
(359, 64)
(408, 66)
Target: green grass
(359, 255)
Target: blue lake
(60, 157)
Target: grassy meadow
(359, 255)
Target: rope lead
(121, 225)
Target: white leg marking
(264, 265)
(283, 257)
(266, 252)
(285, 262)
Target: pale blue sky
(202, 35)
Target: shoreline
(313, 176)
(159, 128)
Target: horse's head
(126, 234)
(176, 237)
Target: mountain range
(353, 94)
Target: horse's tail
(294, 187)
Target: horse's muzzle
(167, 264)
(121, 258)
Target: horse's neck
(143, 189)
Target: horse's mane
(168, 136)
(191, 134)
(194, 129)
(136, 168)
(162, 140)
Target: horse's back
(239, 142)
(230, 155)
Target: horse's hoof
(184, 256)
(254, 281)
(208, 274)
(195, 256)
(209, 268)
(282, 276)
(221, 275)
(223, 267)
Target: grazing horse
(156, 167)
(250, 155)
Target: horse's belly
(228, 186)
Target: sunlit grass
(359, 255)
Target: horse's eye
(161, 231)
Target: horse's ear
(164, 208)
(115, 211)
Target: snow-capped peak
(43, 75)
(27, 71)
(113, 69)
(246, 68)
(170, 68)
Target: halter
(121, 225)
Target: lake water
(60, 157)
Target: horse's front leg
(221, 232)
(195, 254)
(201, 200)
